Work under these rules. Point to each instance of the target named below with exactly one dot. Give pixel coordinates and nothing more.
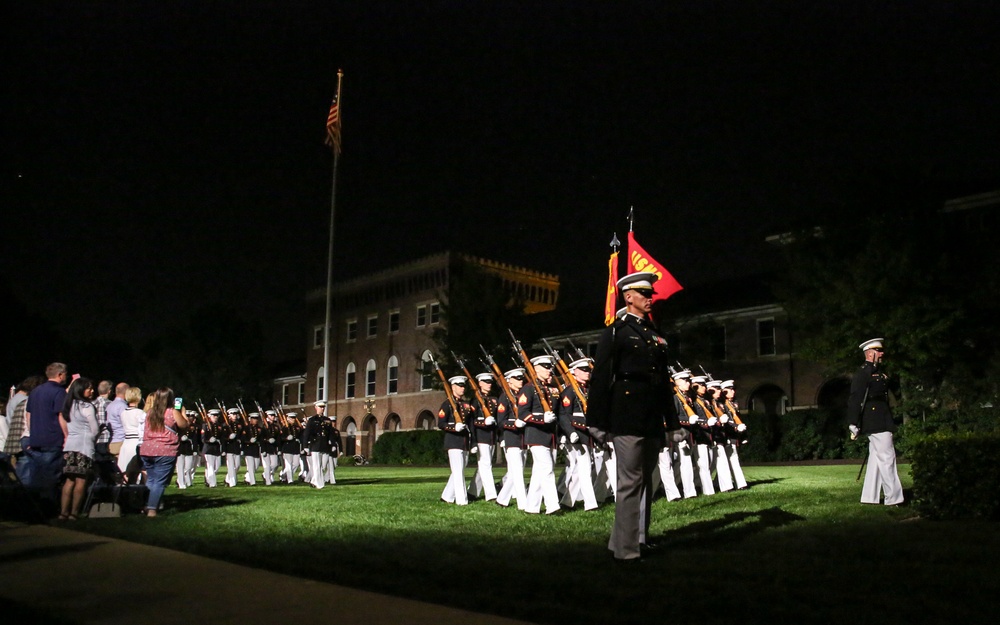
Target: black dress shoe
(627, 561)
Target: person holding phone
(165, 420)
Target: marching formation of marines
(279, 445)
(540, 408)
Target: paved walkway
(85, 578)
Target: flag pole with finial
(333, 140)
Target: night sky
(162, 155)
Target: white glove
(693, 419)
(574, 438)
(212, 439)
(474, 450)
(271, 441)
(184, 437)
(724, 419)
(518, 423)
(232, 436)
(459, 427)
(489, 420)
(503, 444)
(854, 431)
(253, 439)
(712, 421)
(741, 427)
(549, 417)
(290, 437)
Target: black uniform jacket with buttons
(486, 433)
(531, 411)
(871, 414)
(513, 436)
(630, 391)
(209, 431)
(447, 422)
(571, 415)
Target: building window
(317, 337)
(284, 394)
(421, 316)
(321, 385)
(352, 330)
(350, 381)
(765, 337)
(392, 376)
(426, 371)
(370, 379)
(372, 326)
(302, 392)
(393, 321)
(717, 342)
(435, 313)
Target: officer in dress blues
(211, 446)
(456, 440)
(735, 431)
(701, 431)
(573, 425)
(630, 394)
(485, 430)
(868, 413)
(316, 443)
(540, 436)
(513, 442)
(232, 446)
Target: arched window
(321, 384)
(426, 371)
(370, 379)
(351, 381)
(392, 376)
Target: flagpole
(329, 267)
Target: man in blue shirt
(47, 434)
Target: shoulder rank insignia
(522, 400)
(441, 414)
(566, 401)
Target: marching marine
(868, 413)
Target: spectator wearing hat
(512, 442)
(540, 436)
(630, 401)
(573, 425)
(456, 439)
(868, 413)
(485, 431)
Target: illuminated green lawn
(796, 547)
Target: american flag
(333, 127)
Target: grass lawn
(797, 547)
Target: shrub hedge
(416, 447)
(956, 476)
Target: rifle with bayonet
(569, 377)
(498, 375)
(529, 369)
(475, 387)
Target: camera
(178, 403)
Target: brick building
(381, 342)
